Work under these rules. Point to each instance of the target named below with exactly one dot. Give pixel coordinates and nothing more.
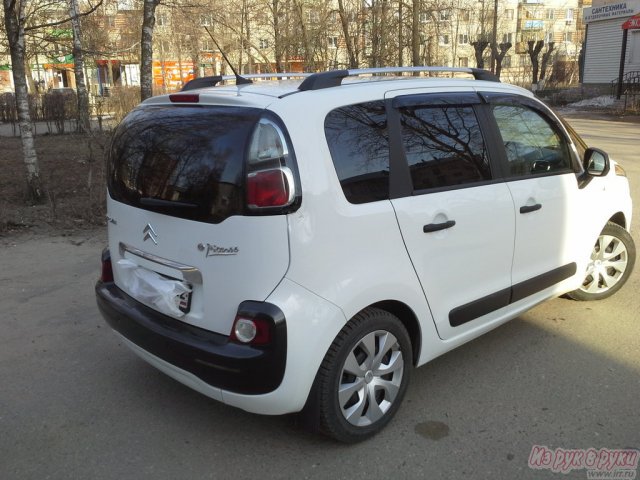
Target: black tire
(612, 260)
(326, 412)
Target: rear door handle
(434, 227)
(530, 208)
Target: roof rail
(333, 78)
(202, 82)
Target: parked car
(301, 245)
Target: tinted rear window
(359, 144)
(182, 161)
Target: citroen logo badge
(149, 234)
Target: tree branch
(61, 22)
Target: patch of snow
(603, 101)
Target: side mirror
(596, 162)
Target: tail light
(106, 275)
(271, 182)
(270, 188)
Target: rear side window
(359, 145)
(444, 146)
(182, 161)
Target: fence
(57, 111)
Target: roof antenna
(239, 80)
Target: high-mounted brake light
(185, 98)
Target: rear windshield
(182, 161)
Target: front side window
(444, 146)
(359, 145)
(531, 143)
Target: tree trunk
(400, 35)
(499, 56)
(146, 48)
(277, 35)
(14, 25)
(533, 49)
(545, 60)
(78, 69)
(344, 21)
(415, 34)
(478, 49)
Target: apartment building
(310, 35)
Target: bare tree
(498, 55)
(479, 47)
(14, 20)
(146, 48)
(78, 68)
(533, 49)
(347, 32)
(545, 60)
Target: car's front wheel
(363, 377)
(611, 263)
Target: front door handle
(530, 208)
(434, 227)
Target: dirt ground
(72, 169)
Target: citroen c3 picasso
(301, 244)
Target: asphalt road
(77, 404)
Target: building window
(206, 20)
(111, 21)
(548, 37)
(569, 16)
(507, 38)
(463, 62)
(332, 42)
(263, 43)
(508, 13)
(568, 36)
(162, 20)
(464, 15)
(424, 18)
(207, 45)
(313, 16)
(463, 39)
(549, 14)
(444, 39)
(445, 15)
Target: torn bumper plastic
(209, 356)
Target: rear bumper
(209, 356)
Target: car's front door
(456, 215)
(541, 177)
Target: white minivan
(301, 245)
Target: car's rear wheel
(611, 263)
(363, 377)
